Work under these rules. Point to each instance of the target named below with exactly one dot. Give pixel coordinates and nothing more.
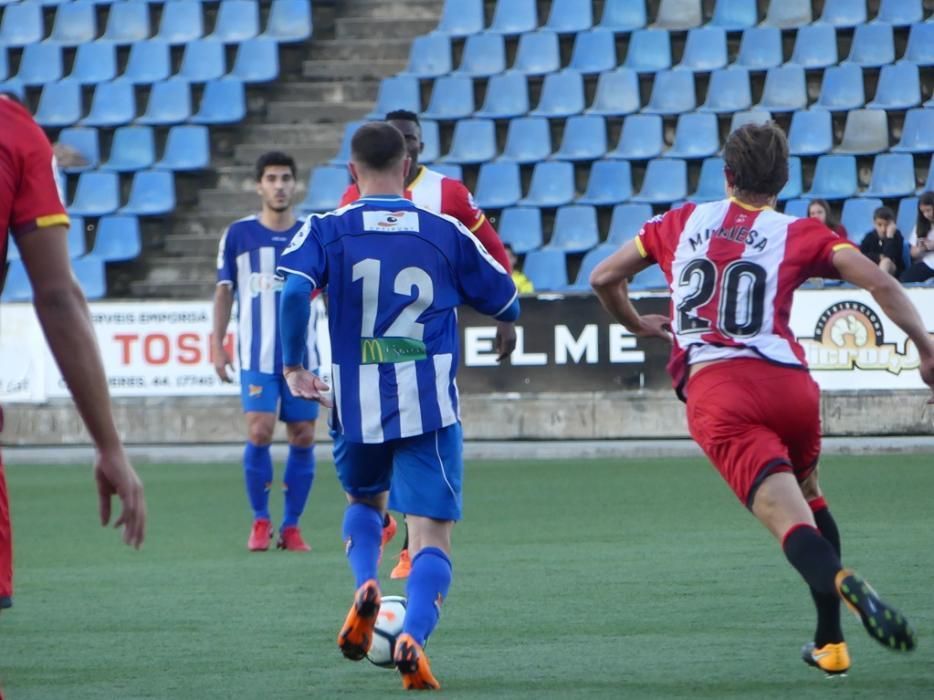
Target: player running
(733, 267)
(396, 273)
(246, 267)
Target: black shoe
(5, 602)
(883, 623)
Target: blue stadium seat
(575, 229)
(113, 104)
(929, 183)
(133, 148)
(430, 56)
(842, 88)
(85, 142)
(570, 16)
(257, 61)
(40, 63)
(187, 148)
(844, 13)
(893, 175)
(617, 93)
(343, 153)
(431, 141)
(538, 53)
(117, 239)
(728, 91)
(593, 258)
(484, 55)
(679, 14)
(474, 141)
(16, 286)
(815, 47)
(223, 102)
(649, 51)
(4, 64)
(584, 138)
(899, 87)
(795, 184)
(866, 133)
(521, 228)
(760, 48)
(75, 24)
(749, 116)
(705, 49)
(873, 45)
(152, 194)
(203, 61)
(900, 13)
(917, 132)
(785, 89)
(735, 15)
(788, 13)
(711, 183)
(451, 170)
(920, 48)
(552, 185)
(149, 62)
(513, 17)
(181, 22)
(641, 138)
(562, 95)
(650, 279)
(169, 103)
(289, 21)
(666, 181)
(810, 133)
(461, 17)
(22, 25)
(127, 23)
(672, 93)
(797, 207)
(507, 96)
(498, 185)
(834, 178)
(89, 272)
(907, 217)
(325, 188)
(528, 140)
(77, 244)
(610, 182)
(857, 217)
(627, 221)
(546, 269)
(451, 98)
(95, 62)
(397, 92)
(98, 194)
(594, 51)
(696, 136)
(59, 104)
(237, 20)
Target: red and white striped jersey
(732, 271)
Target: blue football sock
(257, 474)
(426, 589)
(363, 533)
(297, 481)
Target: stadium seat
(181, 22)
(149, 62)
(133, 148)
(257, 61)
(152, 194)
(187, 148)
(4, 64)
(650, 279)
(431, 140)
(460, 17)
(728, 91)
(696, 136)
(113, 104)
(237, 20)
(594, 52)
(842, 88)
(89, 272)
(569, 16)
(810, 133)
(893, 175)
(785, 89)
(203, 61)
(397, 92)
(484, 55)
(513, 17)
(575, 229)
(552, 185)
(678, 14)
(507, 96)
(866, 133)
(498, 185)
(169, 103)
(735, 15)
(95, 62)
(521, 228)
(584, 138)
(97, 194)
(795, 184)
(929, 183)
(672, 93)
(430, 56)
(641, 138)
(85, 142)
(626, 222)
(117, 239)
(538, 53)
(666, 181)
(546, 269)
(711, 185)
(899, 87)
(797, 207)
(16, 286)
(451, 98)
(649, 51)
(844, 13)
(325, 188)
(528, 140)
(705, 49)
(907, 217)
(289, 21)
(834, 178)
(749, 116)
(22, 25)
(857, 216)
(917, 132)
(900, 13)
(562, 95)
(343, 154)
(873, 45)
(617, 93)
(623, 15)
(815, 47)
(40, 64)
(593, 258)
(75, 24)
(788, 13)
(760, 48)
(223, 102)
(474, 141)
(127, 23)
(920, 48)
(610, 182)
(77, 244)
(59, 104)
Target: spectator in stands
(523, 284)
(884, 244)
(820, 209)
(922, 242)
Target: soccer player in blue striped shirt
(395, 275)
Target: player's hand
(654, 326)
(308, 385)
(114, 475)
(927, 373)
(221, 363)
(505, 339)
(890, 230)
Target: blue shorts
(425, 472)
(264, 393)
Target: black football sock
(814, 558)
(405, 545)
(828, 606)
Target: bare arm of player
(294, 312)
(505, 331)
(63, 315)
(223, 303)
(609, 283)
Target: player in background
(31, 207)
(246, 268)
(432, 190)
(396, 274)
(732, 268)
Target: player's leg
(6, 545)
(259, 396)
(299, 416)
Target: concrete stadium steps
(353, 70)
(353, 27)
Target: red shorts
(753, 418)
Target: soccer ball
(388, 628)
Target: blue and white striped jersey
(246, 260)
(395, 275)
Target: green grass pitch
(634, 579)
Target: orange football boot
(412, 663)
(404, 567)
(356, 635)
